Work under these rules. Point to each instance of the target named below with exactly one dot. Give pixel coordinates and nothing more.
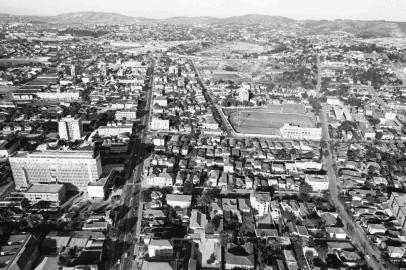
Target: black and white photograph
(203, 135)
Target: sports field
(266, 121)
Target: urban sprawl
(177, 146)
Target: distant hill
(83, 18)
(92, 18)
(357, 27)
(250, 19)
(96, 18)
(8, 18)
(360, 28)
(190, 20)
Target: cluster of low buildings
(67, 121)
(363, 94)
(204, 194)
(212, 196)
(178, 104)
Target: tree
(208, 196)
(322, 249)
(304, 190)
(293, 152)
(347, 126)
(212, 259)
(188, 187)
(309, 256)
(315, 103)
(353, 101)
(374, 121)
(353, 154)
(146, 195)
(216, 220)
(281, 154)
(247, 227)
(210, 228)
(226, 237)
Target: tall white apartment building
(74, 168)
(70, 128)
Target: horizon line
(200, 16)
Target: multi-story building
(317, 182)
(159, 124)
(54, 193)
(160, 248)
(130, 114)
(115, 129)
(64, 96)
(179, 200)
(300, 133)
(161, 101)
(73, 168)
(70, 128)
(161, 180)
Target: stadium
(272, 120)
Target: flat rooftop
(70, 154)
(44, 188)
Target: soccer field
(265, 122)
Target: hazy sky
(297, 9)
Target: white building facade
(159, 124)
(70, 128)
(73, 168)
(301, 133)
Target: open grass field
(287, 108)
(264, 121)
(227, 77)
(238, 46)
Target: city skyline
(390, 10)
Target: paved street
(130, 223)
(376, 97)
(356, 233)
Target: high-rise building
(75, 168)
(70, 128)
